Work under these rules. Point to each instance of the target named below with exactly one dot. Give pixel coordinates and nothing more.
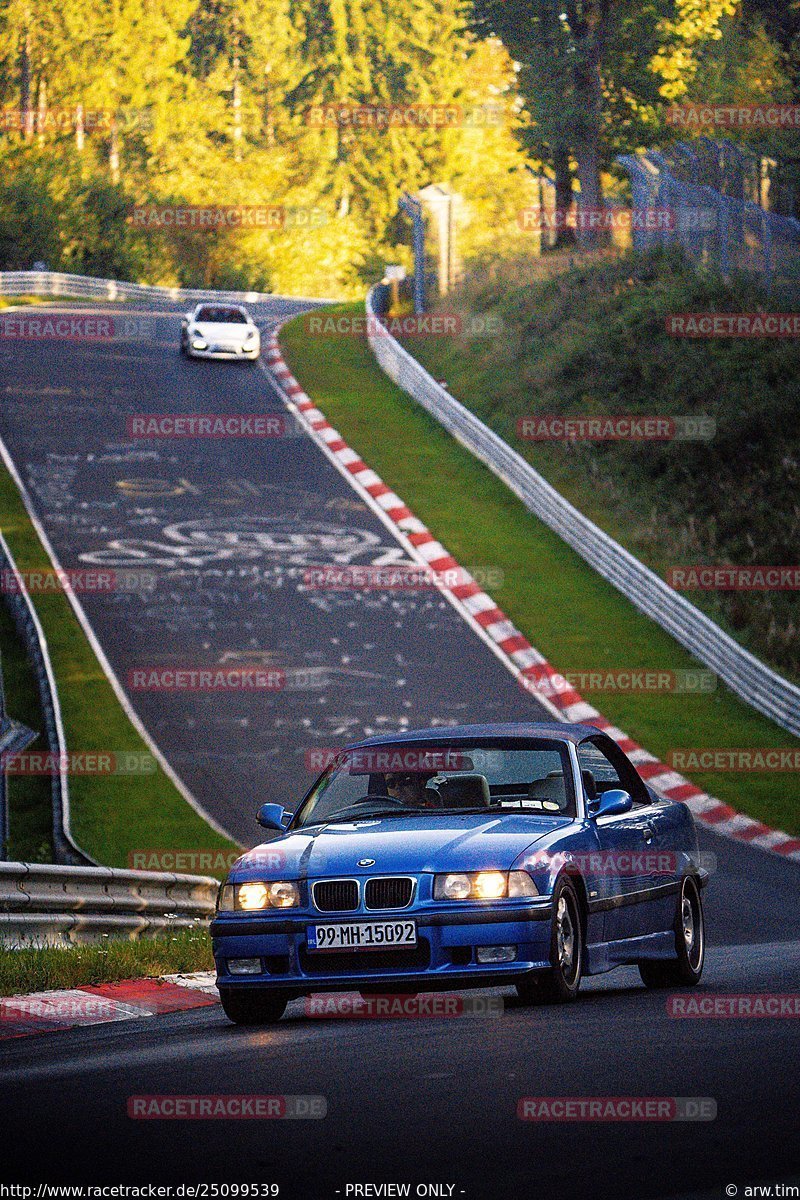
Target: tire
(252, 1006)
(690, 944)
(562, 982)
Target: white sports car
(220, 331)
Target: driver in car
(410, 788)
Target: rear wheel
(252, 1006)
(690, 944)
(562, 982)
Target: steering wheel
(370, 798)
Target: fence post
(766, 241)
(413, 208)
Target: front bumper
(237, 355)
(444, 955)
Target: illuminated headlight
(199, 343)
(253, 897)
(484, 885)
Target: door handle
(649, 833)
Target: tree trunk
(565, 235)
(236, 99)
(237, 115)
(113, 151)
(41, 109)
(589, 28)
(26, 112)
(269, 112)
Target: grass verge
(113, 815)
(566, 610)
(45, 968)
(590, 339)
(20, 301)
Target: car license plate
(365, 935)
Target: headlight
(251, 333)
(199, 343)
(251, 896)
(484, 885)
(283, 894)
(256, 896)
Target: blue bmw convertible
(479, 855)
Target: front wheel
(252, 1006)
(562, 982)
(690, 944)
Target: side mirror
(612, 803)
(272, 816)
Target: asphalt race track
(420, 1101)
(409, 1101)
(211, 542)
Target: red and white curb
(46, 1012)
(511, 647)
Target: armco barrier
(58, 905)
(747, 676)
(30, 630)
(54, 284)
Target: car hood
(463, 842)
(221, 331)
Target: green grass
(112, 815)
(567, 611)
(47, 967)
(20, 301)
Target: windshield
(224, 316)
(406, 779)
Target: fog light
(496, 954)
(244, 966)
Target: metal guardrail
(14, 738)
(54, 284)
(746, 675)
(18, 600)
(59, 905)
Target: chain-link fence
(710, 194)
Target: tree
(595, 75)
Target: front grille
(415, 958)
(388, 893)
(336, 895)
